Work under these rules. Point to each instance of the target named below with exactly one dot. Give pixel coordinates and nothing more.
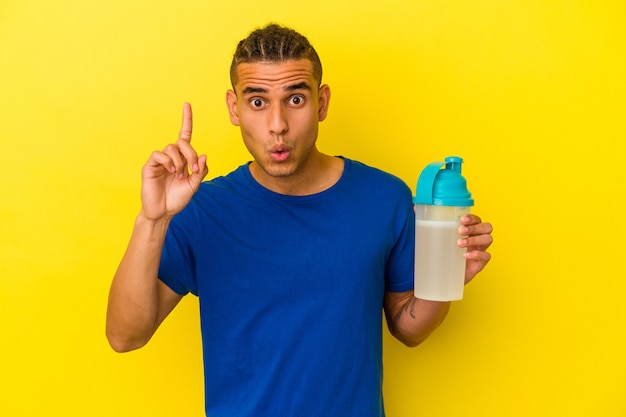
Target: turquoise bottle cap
(443, 187)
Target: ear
(324, 101)
(231, 103)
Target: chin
(278, 169)
(281, 172)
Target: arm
(138, 300)
(411, 320)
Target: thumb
(198, 175)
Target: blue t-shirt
(291, 290)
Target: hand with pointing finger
(172, 176)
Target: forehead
(274, 74)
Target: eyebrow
(300, 86)
(253, 90)
(261, 90)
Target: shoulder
(235, 180)
(376, 180)
(216, 196)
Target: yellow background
(530, 93)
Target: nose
(277, 121)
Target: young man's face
(278, 107)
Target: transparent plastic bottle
(441, 199)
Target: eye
(296, 100)
(257, 103)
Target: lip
(279, 153)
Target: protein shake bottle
(441, 199)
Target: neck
(320, 172)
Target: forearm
(132, 314)
(411, 320)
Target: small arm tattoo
(410, 307)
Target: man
(292, 255)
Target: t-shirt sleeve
(176, 269)
(400, 265)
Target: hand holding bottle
(476, 240)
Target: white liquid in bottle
(439, 262)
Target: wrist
(143, 220)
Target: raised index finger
(187, 126)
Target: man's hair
(274, 44)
